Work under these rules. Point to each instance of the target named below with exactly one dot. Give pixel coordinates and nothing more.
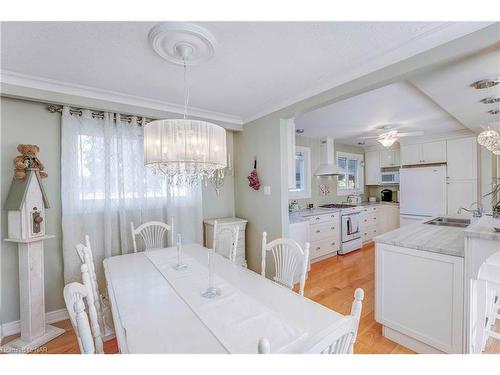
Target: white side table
(240, 248)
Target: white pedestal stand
(34, 331)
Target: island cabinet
(419, 298)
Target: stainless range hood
(327, 166)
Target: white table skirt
(158, 310)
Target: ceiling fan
(388, 134)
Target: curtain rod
(53, 108)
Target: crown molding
(11, 80)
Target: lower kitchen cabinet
(378, 219)
(419, 298)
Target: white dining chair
(341, 341)
(488, 303)
(102, 307)
(87, 334)
(153, 234)
(288, 256)
(225, 241)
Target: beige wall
(259, 139)
(30, 122)
(317, 198)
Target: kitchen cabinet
(434, 152)
(378, 219)
(324, 235)
(419, 298)
(460, 193)
(372, 168)
(423, 153)
(461, 178)
(389, 158)
(461, 156)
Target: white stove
(350, 226)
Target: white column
(34, 331)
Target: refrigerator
(422, 193)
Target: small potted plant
(495, 200)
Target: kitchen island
(423, 292)
(419, 289)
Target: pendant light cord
(186, 91)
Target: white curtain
(105, 186)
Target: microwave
(389, 178)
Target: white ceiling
(449, 86)
(399, 104)
(258, 67)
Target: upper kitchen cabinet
(461, 155)
(389, 158)
(423, 153)
(372, 168)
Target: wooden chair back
(152, 234)
(88, 334)
(288, 255)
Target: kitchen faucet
(475, 213)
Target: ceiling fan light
(387, 142)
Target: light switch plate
(267, 190)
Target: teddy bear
(26, 160)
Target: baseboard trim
(11, 328)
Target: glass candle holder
(211, 291)
(180, 265)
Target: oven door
(350, 227)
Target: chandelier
(185, 150)
(489, 138)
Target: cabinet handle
(318, 231)
(317, 218)
(333, 216)
(318, 248)
(333, 228)
(333, 243)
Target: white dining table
(157, 309)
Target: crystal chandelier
(489, 138)
(185, 150)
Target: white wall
(30, 122)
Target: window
(351, 180)
(302, 174)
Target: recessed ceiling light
(299, 131)
(485, 83)
(491, 100)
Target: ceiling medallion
(485, 83)
(185, 150)
(167, 38)
(491, 100)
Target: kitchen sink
(449, 222)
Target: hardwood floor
(332, 283)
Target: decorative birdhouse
(25, 205)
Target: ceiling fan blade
(410, 134)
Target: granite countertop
(433, 238)
(378, 203)
(482, 229)
(302, 215)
